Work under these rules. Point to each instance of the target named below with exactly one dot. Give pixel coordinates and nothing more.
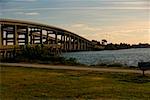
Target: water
(129, 57)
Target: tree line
(103, 45)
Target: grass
(33, 83)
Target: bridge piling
(1, 32)
(27, 36)
(41, 38)
(56, 41)
(64, 43)
(70, 46)
(73, 43)
(15, 35)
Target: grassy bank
(30, 83)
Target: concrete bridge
(15, 33)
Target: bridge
(15, 33)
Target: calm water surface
(129, 57)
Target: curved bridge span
(16, 33)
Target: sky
(117, 21)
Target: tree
(104, 41)
(144, 66)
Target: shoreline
(66, 67)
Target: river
(128, 57)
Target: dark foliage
(38, 54)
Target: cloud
(6, 1)
(130, 31)
(127, 32)
(78, 25)
(80, 8)
(85, 30)
(28, 13)
(26, 0)
(32, 13)
(85, 27)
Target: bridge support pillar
(15, 35)
(56, 41)
(67, 43)
(6, 38)
(47, 39)
(1, 35)
(73, 44)
(84, 45)
(81, 45)
(31, 37)
(78, 44)
(61, 40)
(41, 37)
(87, 46)
(70, 46)
(64, 42)
(27, 36)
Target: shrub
(101, 64)
(70, 61)
(115, 65)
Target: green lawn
(31, 83)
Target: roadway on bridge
(72, 68)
